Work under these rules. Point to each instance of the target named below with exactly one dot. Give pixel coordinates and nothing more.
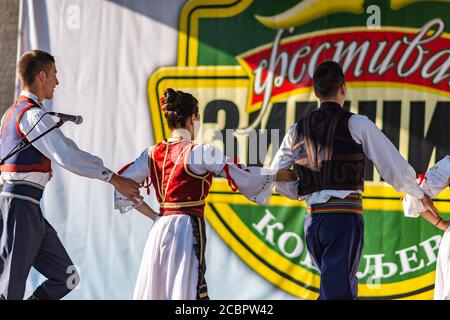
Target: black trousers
(26, 240)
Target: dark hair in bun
(178, 106)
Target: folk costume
(173, 263)
(327, 149)
(26, 237)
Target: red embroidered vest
(178, 190)
(28, 160)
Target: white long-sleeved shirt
(376, 146)
(255, 183)
(55, 146)
(437, 178)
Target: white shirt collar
(32, 96)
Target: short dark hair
(327, 79)
(31, 63)
(178, 106)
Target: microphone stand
(28, 144)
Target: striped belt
(23, 190)
(351, 204)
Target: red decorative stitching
(230, 180)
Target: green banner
(250, 64)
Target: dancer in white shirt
(173, 262)
(26, 237)
(433, 182)
(328, 149)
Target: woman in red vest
(173, 263)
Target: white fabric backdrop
(104, 58)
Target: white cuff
(416, 193)
(106, 174)
(123, 204)
(412, 207)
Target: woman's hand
(437, 221)
(443, 225)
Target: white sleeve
(389, 162)
(137, 171)
(436, 179)
(284, 159)
(206, 158)
(60, 149)
(254, 183)
(288, 189)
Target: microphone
(67, 117)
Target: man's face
(50, 81)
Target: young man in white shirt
(328, 149)
(26, 237)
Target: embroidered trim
(351, 204)
(198, 231)
(17, 196)
(28, 183)
(204, 177)
(182, 204)
(230, 180)
(171, 173)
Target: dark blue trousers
(28, 240)
(334, 242)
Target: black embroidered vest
(326, 156)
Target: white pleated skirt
(442, 280)
(169, 268)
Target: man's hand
(285, 175)
(428, 204)
(126, 187)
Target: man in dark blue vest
(26, 237)
(327, 149)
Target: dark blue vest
(29, 160)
